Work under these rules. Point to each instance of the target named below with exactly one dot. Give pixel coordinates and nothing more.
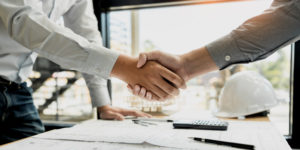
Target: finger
(142, 60)
(118, 116)
(156, 98)
(154, 55)
(173, 78)
(153, 96)
(146, 115)
(129, 88)
(142, 114)
(137, 89)
(109, 115)
(142, 92)
(134, 113)
(144, 57)
(166, 87)
(149, 95)
(159, 94)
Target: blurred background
(61, 95)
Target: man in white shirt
(28, 28)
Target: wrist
(102, 108)
(123, 66)
(183, 60)
(198, 62)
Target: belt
(6, 82)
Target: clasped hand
(160, 82)
(173, 62)
(187, 66)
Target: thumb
(142, 60)
(118, 116)
(154, 55)
(130, 89)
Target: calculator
(201, 124)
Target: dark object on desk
(231, 144)
(263, 113)
(201, 124)
(143, 123)
(51, 125)
(153, 119)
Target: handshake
(158, 76)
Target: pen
(153, 119)
(232, 144)
(143, 122)
(140, 123)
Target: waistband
(7, 83)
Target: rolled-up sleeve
(259, 36)
(35, 31)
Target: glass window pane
(120, 40)
(62, 96)
(181, 29)
(59, 95)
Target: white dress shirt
(29, 27)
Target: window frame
(103, 7)
(295, 84)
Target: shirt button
(227, 58)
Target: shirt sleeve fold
(259, 36)
(35, 31)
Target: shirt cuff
(99, 96)
(225, 52)
(100, 63)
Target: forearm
(121, 68)
(35, 31)
(259, 36)
(152, 76)
(198, 62)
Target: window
(59, 95)
(146, 30)
(140, 30)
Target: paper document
(46, 144)
(261, 134)
(103, 131)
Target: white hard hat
(246, 93)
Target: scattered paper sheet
(261, 134)
(46, 144)
(103, 131)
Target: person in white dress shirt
(29, 28)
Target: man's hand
(162, 82)
(173, 62)
(115, 113)
(187, 66)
